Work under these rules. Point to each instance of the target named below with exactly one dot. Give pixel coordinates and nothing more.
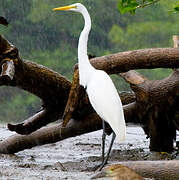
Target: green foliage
(146, 29)
(176, 8)
(154, 74)
(131, 6)
(17, 104)
(146, 34)
(60, 60)
(51, 38)
(127, 6)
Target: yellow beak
(64, 8)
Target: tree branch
(143, 5)
(147, 107)
(138, 59)
(56, 133)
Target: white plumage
(101, 91)
(105, 100)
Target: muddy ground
(74, 158)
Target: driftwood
(117, 172)
(155, 169)
(159, 170)
(153, 105)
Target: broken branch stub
(8, 70)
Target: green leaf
(131, 5)
(127, 6)
(175, 9)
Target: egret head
(77, 7)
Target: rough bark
(55, 133)
(146, 107)
(138, 59)
(156, 169)
(159, 170)
(157, 102)
(50, 134)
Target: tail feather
(120, 133)
(119, 127)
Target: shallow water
(71, 159)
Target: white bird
(101, 91)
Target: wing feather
(105, 100)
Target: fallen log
(50, 134)
(147, 105)
(159, 170)
(55, 133)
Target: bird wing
(105, 100)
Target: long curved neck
(84, 65)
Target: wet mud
(74, 158)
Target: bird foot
(99, 167)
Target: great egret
(101, 91)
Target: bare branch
(143, 5)
(138, 59)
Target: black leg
(104, 162)
(103, 140)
